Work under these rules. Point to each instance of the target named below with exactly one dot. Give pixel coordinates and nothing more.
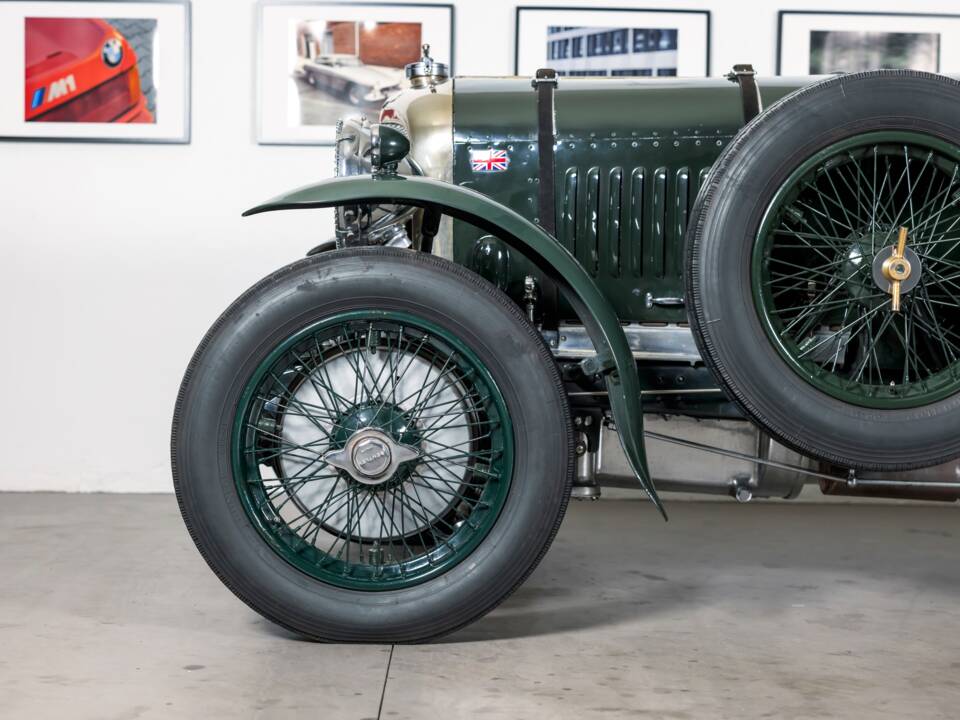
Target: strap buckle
(544, 76)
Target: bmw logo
(112, 52)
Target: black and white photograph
(612, 52)
(322, 61)
(612, 42)
(820, 43)
(852, 51)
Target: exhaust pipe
(939, 483)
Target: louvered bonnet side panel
(631, 156)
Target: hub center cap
(371, 456)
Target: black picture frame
(258, 54)
(856, 13)
(185, 137)
(556, 8)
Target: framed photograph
(320, 61)
(612, 41)
(818, 43)
(107, 71)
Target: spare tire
(790, 270)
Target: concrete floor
(803, 611)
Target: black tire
(449, 296)
(725, 222)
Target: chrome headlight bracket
(366, 224)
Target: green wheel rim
(410, 380)
(816, 259)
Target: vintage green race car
(378, 442)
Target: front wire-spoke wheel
(373, 450)
(372, 445)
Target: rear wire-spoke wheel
(823, 270)
(373, 450)
(822, 261)
(372, 445)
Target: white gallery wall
(115, 259)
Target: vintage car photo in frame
(534, 280)
(321, 61)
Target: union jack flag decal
(490, 160)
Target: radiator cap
(426, 70)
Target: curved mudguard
(614, 358)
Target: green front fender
(597, 315)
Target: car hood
(369, 74)
(56, 42)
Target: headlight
(390, 146)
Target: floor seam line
(386, 677)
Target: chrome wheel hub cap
(371, 456)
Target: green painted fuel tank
(631, 155)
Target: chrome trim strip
(670, 343)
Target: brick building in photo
(392, 44)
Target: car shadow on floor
(565, 605)
(611, 565)
(509, 622)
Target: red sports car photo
(82, 70)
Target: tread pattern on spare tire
(706, 199)
(478, 284)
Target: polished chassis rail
(721, 456)
(665, 343)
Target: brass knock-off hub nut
(896, 269)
